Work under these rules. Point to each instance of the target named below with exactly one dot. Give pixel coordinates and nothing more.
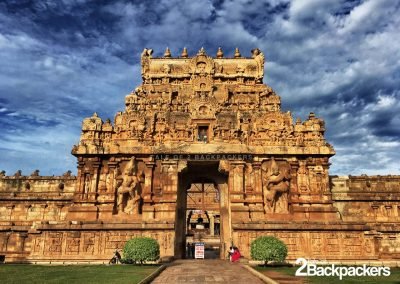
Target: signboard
(199, 250)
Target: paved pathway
(206, 271)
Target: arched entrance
(202, 213)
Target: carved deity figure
(128, 189)
(275, 186)
(303, 182)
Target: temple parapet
(367, 198)
(34, 183)
(175, 70)
(377, 184)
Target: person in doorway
(230, 253)
(189, 250)
(192, 248)
(235, 255)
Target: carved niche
(129, 190)
(203, 105)
(201, 64)
(275, 184)
(272, 127)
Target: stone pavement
(206, 271)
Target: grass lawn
(394, 277)
(25, 273)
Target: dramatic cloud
(64, 60)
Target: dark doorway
(203, 134)
(201, 209)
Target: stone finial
(311, 115)
(201, 51)
(237, 53)
(220, 53)
(108, 121)
(255, 52)
(184, 53)
(167, 53)
(67, 173)
(2, 173)
(147, 52)
(95, 114)
(35, 173)
(18, 173)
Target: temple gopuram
(201, 152)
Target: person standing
(235, 255)
(189, 250)
(192, 248)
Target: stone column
(59, 209)
(148, 183)
(81, 180)
(257, 177)
(212, 224)
(257, 208)
(95, 180)
(148, 209)
(112, 165)
(240, 212)
(180, 211)
(10, 208)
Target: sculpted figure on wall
(276, 181)
(303, 182)
(128, 189)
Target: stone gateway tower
(202, 152)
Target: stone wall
(33, 225)
(34, 198)
(317, 244)
(367, 198)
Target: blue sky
(63, 60)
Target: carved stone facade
(199, 121)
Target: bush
(139, 250)
(268, 249)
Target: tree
(140, 250)
(268, 248)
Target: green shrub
(268, 249)
(139, 250)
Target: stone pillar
(257, 177)
(237, 174)
(180, 213)
(240, 212)
(148, 208)
(80, 180)
(148, 183)
(59, 209)
(112, 166)
(293, 181)
(43, 210)
(95, 181)
(10, 208)
(225, 209)
(212, 224)
(256, 208)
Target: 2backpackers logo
(308, 268)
